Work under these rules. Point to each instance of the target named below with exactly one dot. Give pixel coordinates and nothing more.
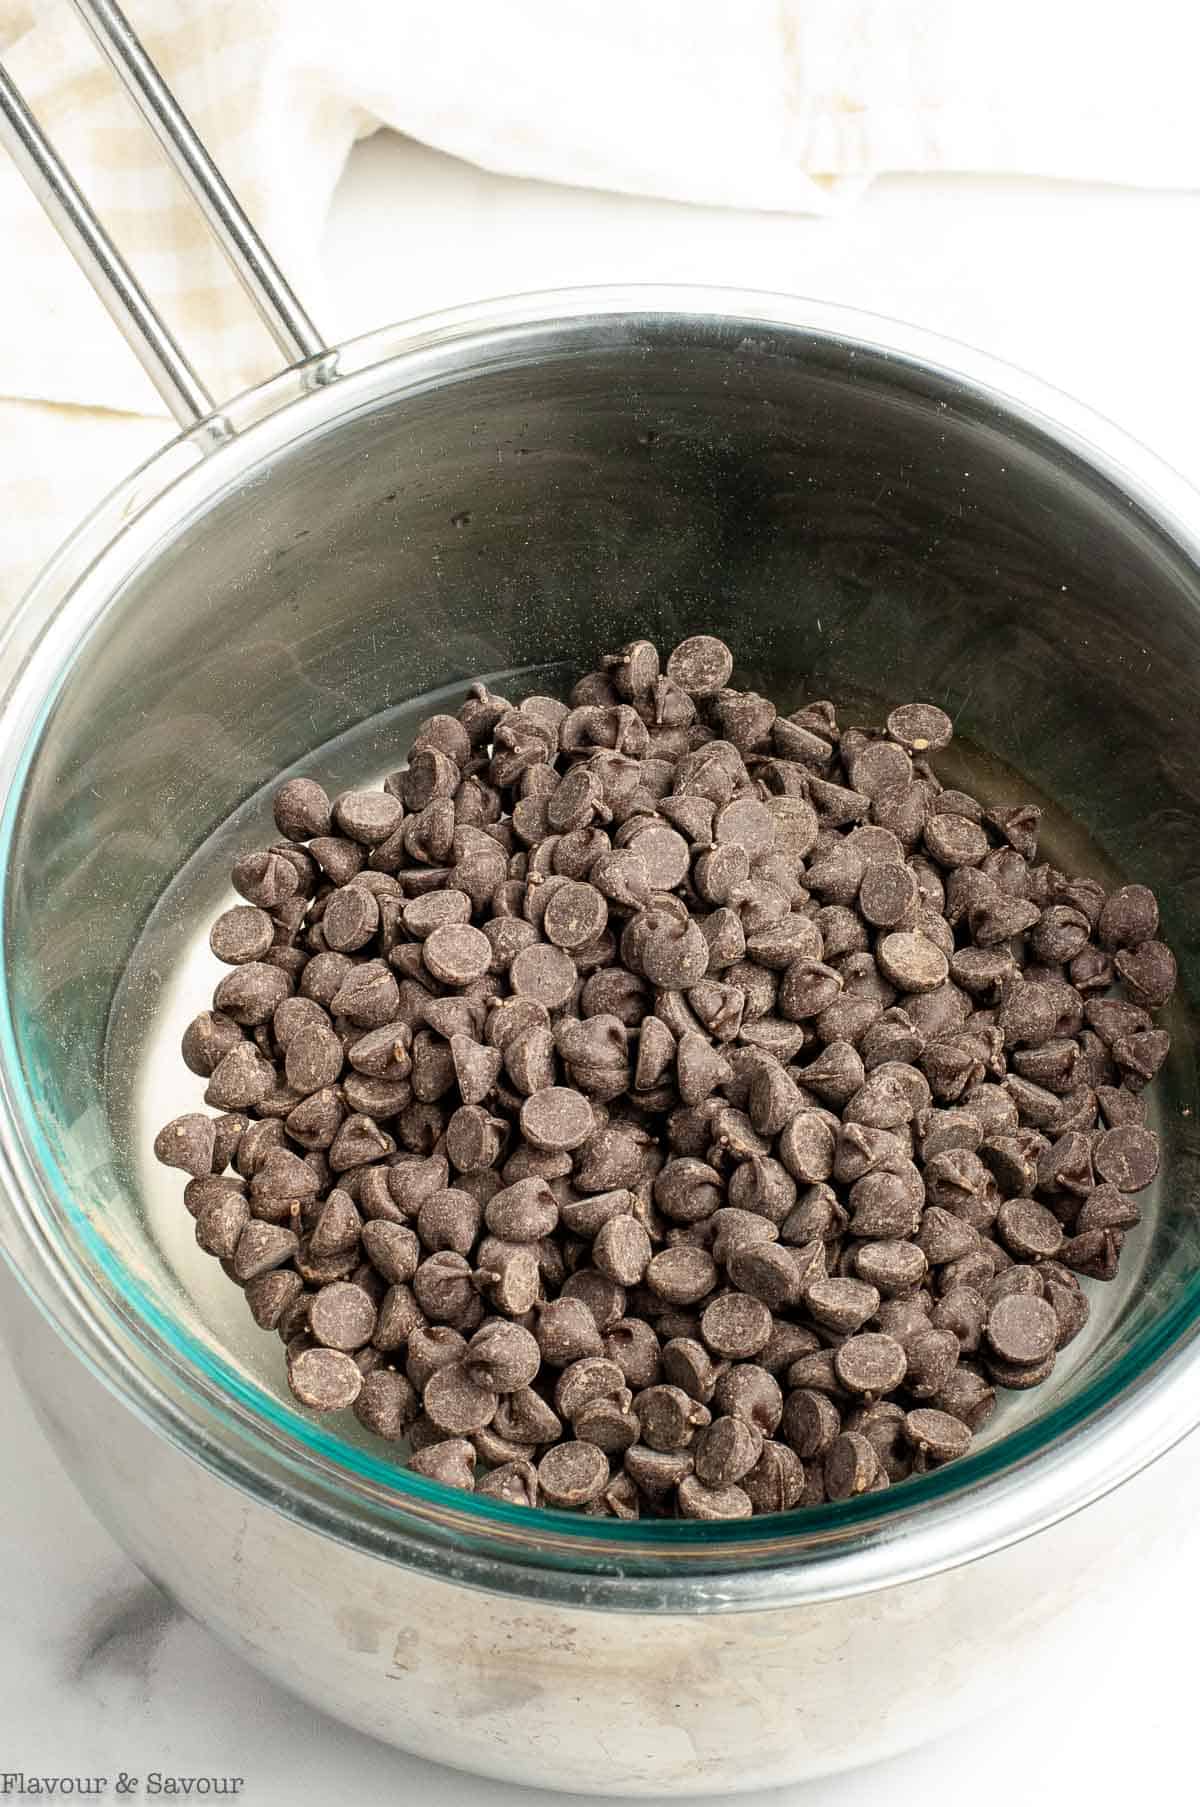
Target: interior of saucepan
(855, 526)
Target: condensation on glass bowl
(172, 974)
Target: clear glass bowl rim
(1025, 1482)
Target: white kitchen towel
(778, 104)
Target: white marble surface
(1094, 288)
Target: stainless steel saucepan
(861, 510)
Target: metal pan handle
(160, 353)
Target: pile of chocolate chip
(656, 1104)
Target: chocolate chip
(966, 1395)
(666, 947)
(557, 1117)
(342, 1316)
(809, 1423)
(1129, 917)
(870, 1364)
(842, 1305)
(456, 1402)
(621, 1250)
(314, 1058)
(188, 1143)
(586, 1381)
(851, 1465)
(700, 666)
(736, 1326)
(1108, 1208)
(1022, 1329)
(566, 1331)
(368, 817)
(543, 974)
(888, 895)
(474, 1139)
(575, 915)
(571, 1474)
(911, 961)
(1028, 1229)
(325, 1380)
(954, 840)
(920, 727)
(242, 934)
(301, 809)
(1148, 973)
(937, 1433)
(451, 1462)
(669, 1417)
(931, 1355)
(1128, 1156)
(682, 1275)
(456, 953)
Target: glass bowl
(862, 512)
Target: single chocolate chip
(571, 1474)
(937, 1433)
(1029, 1230)
(474, 1139)
(621, 1250)
(368, 817)
(325, 1380)
(456, 1402)
(1148, 973)
(920, 727)
(1128, 1156)
(451, 1462)
(557, 1117)
(954, 840)
(682, 1275)
(242, 934)
(1129, 916)
(1108, 1208)
(669, 1417)
(809, 1423)
(842, 1305)
(456, 953)
(301, 809)
(566, 1331)
(1022, 1329)
(436, 910)
(726, 1451)
(911, 961)
(931, 1356)
(700, 666)
(314, 1058)
(888, 895)
(870, 1364)
(342, 1316)
(543, 974)
(575, 915)
(776, 1482)
(583, 1382)
(736, 1326)
(188, 1143)
(851, 1465)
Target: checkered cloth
(780, 104)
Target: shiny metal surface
(854, 506)
(156, 347)
(248, 257)
(556, 1694)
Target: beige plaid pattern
(781, 104)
